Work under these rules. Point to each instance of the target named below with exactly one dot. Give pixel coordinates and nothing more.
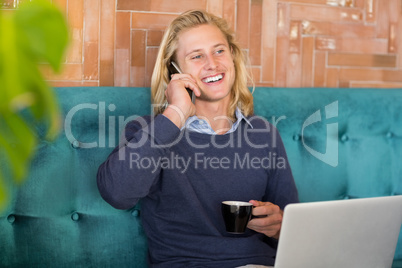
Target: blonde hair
(241, 95)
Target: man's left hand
(269, 219)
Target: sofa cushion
(341, 143)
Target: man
(189, 157)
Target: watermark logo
(107, 126)
(202, 161)
(101, 124)
(330, 156)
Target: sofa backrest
(341, 143)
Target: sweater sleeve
(133, 167)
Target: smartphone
(177, 70)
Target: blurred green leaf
(35, 33)
(19, 143)
(4, 195)
(11, 82)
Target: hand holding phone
(190, 92)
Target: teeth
(213, 79)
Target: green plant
(35, 33)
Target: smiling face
(204, 53)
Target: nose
(211, 63)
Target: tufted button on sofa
(341, 144)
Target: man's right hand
(180, 106)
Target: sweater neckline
(204, 136)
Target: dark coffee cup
(236, 215)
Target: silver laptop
(343, 234)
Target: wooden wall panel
(290, 43)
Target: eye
(220, 50)
(196, 57)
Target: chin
(214, 96)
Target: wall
(291, 43)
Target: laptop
(350, 233)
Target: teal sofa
(341, 144)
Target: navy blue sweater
(182, 177)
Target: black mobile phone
(175, 70)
